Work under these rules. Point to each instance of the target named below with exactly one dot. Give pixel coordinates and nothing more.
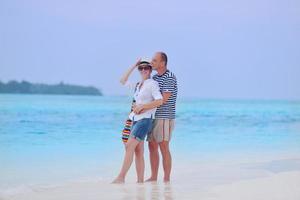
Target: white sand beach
(282, 186)
(272, 180)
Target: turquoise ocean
(54, 138)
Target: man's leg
(167, 159)
(154, 160)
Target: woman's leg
(130, 148)
(140, 162)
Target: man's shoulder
(171, 74)
(170, 77)
(167, 74)
(155, 76)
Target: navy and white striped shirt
(167, 83)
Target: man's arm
(166, 96)
(138, 109)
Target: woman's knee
(139, 150)
(139, 154)
(130, 146)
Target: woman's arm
(153, 104)
(126, 75)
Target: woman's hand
(137, 63)
(126, 75)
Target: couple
(153, 116)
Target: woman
(147, 97)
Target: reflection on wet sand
(161, 191)
(153, 191)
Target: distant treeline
(25, 87)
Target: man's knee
(164, 147)
(153, 146)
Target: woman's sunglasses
(146, 68)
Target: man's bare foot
(151, 179)
(166, 180)
(118, 181)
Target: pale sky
(217, 49)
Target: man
(163, 124)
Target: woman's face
(145, 71)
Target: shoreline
(273, 179)
(283, 185)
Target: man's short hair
(164, 57)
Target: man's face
(156, 61)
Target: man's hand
(137, 109)
(143, 111)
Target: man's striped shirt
(167, 83)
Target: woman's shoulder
(131, 85)
(152, 81)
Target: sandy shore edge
(276, 186)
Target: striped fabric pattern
(128, 123)
(167, 83)
(126, 131)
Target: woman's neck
(146, 78)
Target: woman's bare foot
(118, 181)
(151, 179)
